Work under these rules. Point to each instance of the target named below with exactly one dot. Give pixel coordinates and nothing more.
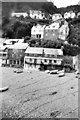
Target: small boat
(18, 70)
(47, 71)
(61, 74)
(53, 71)
(61, 71)
(77, 72)
(4, 89)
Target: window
(47, 55)
(50, 61)
(38, 35)
(45, 60)
(35, 61)
(4, 55)
(55, 61)
(18, 62)
(14, 61)
(27, 54)
(10, 61)
(30, 59)
(42, 14)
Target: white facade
(75, 62)
(66, 15)
(56, 17)
(73, 15)
(34, 55)
(52, 26)
(37, 31)
(70, 14)
(63, 32)
(35, 14)
(19, 14)
(78, 14)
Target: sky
(64, 3)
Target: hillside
(8, 7)
(75, 8)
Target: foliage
(67, 60)
(26, 39)
(5, 21)
(17, 29)
(8, 32)
(49, 8)
(15, 25)
(75, 8)
(45, 43)
(21, 32)
(70, 50)
(74, 33)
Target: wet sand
(38, 94)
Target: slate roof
(36, 50)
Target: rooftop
(8, 41)
(18, 46)
(36, 50)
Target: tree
(21, 32)
(15, 25)
(74, 34)
(5, 21)
(26, 39)
(49, 7)
(8, 32)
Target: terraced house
(63, 31)
(36, 14)
(56, 17)
(58, 29)
(37, 31)
(16, 54)
(42, 58)
(51, 31)
(19, 14)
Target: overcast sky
(57, 3)
(64, 3)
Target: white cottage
(63, 31)
(16, 14)
(78, 14)
(67, 15)
(56, 17)
(37, 31)
(36, 14)
(72, 14)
